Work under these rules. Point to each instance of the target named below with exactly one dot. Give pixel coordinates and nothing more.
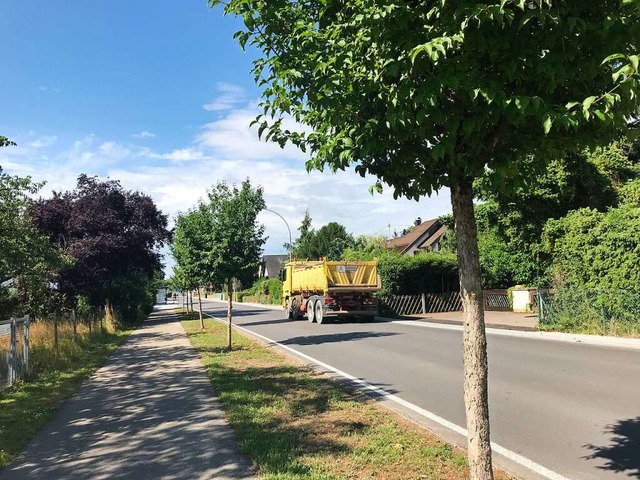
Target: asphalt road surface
(573, 409)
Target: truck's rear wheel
(319, 312)
(295, 310)
(311, 312)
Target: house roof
(273, 264)
(434, 237)
(404, 242)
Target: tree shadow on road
(623, 454)
(334, 338)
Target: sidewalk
(150, 413)
(507, 320)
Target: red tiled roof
(401, 243)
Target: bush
(264, 290)
(429, 272)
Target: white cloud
(230, 96)
(229, 150)
(45, 141)
(144, 134)
(43, 88)
(232, 137)
(185, 155)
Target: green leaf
(615, 56)
(588, 102)
(548, 122)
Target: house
(271, 265)
(423, 236)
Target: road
(573, 409)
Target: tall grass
(45, 355)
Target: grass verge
(26, 407)
(297, 424)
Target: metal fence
(574, 307)
(496, 300)
(14, 350)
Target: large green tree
(27, 261)
(112, 234)
(511, 222)
(330, 241)
(425, 95)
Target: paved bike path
(150, 413)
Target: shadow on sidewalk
(147, 414)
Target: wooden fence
(493, 300)
(425, 303)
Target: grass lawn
(297, 424)
(26, 407)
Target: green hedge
(264, 290)
(430, 272)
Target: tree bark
(55, 334)
(75, 324)
(229, 309)
(200, 310)
(474, 336)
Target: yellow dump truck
(323, 289)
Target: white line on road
(513, 456)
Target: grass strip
(28, 406)
(295, 423)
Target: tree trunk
(200, 310)
(474, 337)
(192, 301)
(55, 334)
(75, 324)
(229, 309)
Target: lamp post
(285, 222)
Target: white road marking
(513, 456)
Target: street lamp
(285, 222)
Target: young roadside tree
(425, 95)
(234, 236)
(189, 250)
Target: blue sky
(158, 95)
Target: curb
(596, 340)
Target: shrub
(429, 272)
